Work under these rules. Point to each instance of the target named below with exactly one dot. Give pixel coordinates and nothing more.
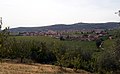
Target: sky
(32, 13)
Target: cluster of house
(89, 36)
(84, 35)
(41, 33)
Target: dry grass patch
(10, 68)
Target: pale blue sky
(17, 13)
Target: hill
(76, 26)
(12, 68)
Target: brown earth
(14, 68)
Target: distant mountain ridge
(76, 26)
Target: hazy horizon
(61, 24)
(33, 13)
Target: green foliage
(44, 55)
(99, 42)
(107, 62)
(72, 54)
(4, 45)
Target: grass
(108, 44)
(88, 45)
(70, 44)
(12, 68)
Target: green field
(91, 45)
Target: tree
(42, 54)
(62, 38)
(116, 49)
(4, 46)
(99, 42)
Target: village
(81, 35)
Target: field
(88, 45)
(48, 40)
(12, 68)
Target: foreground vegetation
(72, 54)
(13, 68)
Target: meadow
(88, 45)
